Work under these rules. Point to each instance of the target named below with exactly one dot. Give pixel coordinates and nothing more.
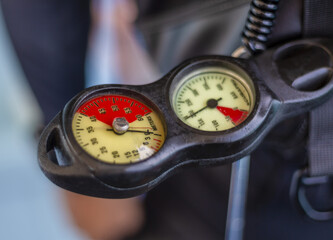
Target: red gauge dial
(118, 129)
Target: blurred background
(30, 205)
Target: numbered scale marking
(213, 99)
(118, 129)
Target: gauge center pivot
(120, 125)
(212, 103)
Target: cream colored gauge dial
(213, 99)
(118, 129)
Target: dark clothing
(50, 38)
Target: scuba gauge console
(118, 141)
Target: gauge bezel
(232, 68)
(91, 93)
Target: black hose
(259, 24)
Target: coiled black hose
(259, 24)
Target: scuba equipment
(254, 85)
(259, 24)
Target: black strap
(318, 22)
(321, 140)
(318, 18)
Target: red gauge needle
(237, 116)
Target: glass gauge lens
(118, 129)
(213, 99)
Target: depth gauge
(213, 99)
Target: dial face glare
(118, 129)
(213, 99)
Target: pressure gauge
(213, 99)
(118, 129)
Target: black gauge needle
(129, 130)
(211, 103)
